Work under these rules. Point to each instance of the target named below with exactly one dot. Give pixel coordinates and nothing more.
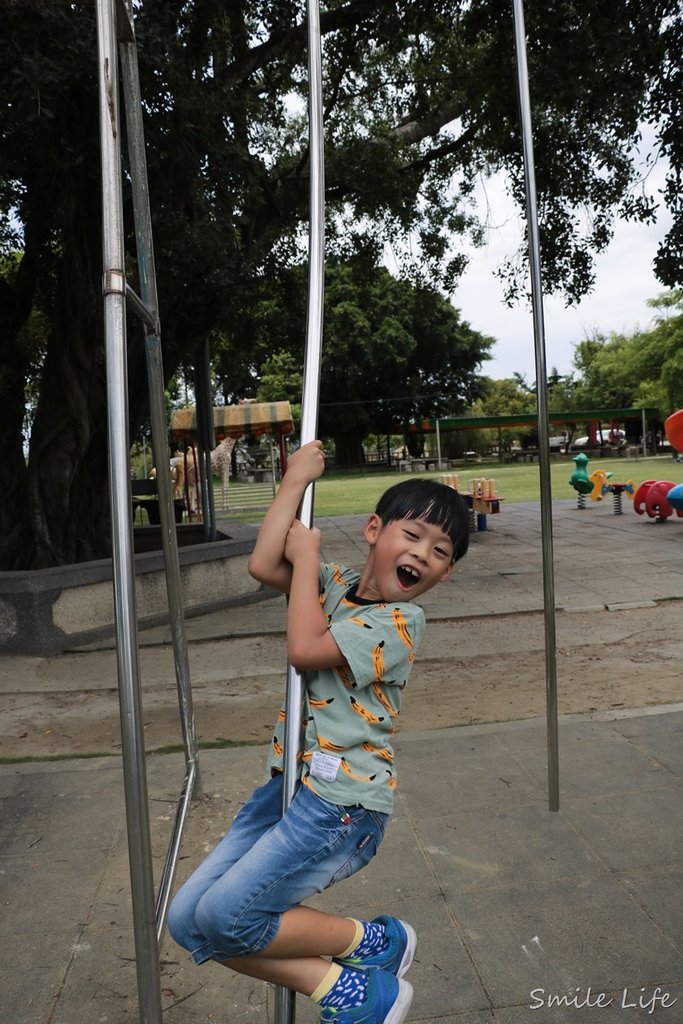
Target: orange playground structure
(482, 496)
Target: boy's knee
(233, 933)
(179, 920)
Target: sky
(624, 281)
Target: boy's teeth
(413, 572)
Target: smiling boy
(353, 637)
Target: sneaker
(398, 955)
(387, 1001)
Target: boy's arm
(310, 645)
(268, 563)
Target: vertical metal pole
(542, 398)
(135, 779)
(644, 425)
(314, 325)
(284, 1005)
(438, 446)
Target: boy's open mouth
(407, 577)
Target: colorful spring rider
(580, 480)
(598, 484)
(658, 499)
(482, 497)
(602, 485)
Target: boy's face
(408, 557)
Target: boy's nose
(421, 551)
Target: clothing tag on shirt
(325, 766)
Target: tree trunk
(16, 299)
(348, 448)
(68, 485)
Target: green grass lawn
(339, 494)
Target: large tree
(394, 353)
(419, 101)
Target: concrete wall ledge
(46, 611)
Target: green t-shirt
(349, 713)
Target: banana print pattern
(384, 700)
(402, 628)
(378, 661)
(320, 703)
(361, 710)
(328, 747)
(359, 778)
(350, 712)
(345, 676)
(386, 755)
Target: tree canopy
(394, 353)
(644, 368)
(420, 100)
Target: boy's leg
(262, 812)
(256, 906)
(301, 974)
(378, 997)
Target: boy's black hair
(435, 503)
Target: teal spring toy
(579, 479)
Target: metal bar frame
(542, 408)
(284, 998)
(115, 23)
(135, 780)
(155, 376)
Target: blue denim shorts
(267, 864)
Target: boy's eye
(409, 533)
(443, 552)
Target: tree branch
(293, 38)
(415, 131)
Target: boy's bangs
(439, 513)
(433, 502)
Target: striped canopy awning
(236, 420)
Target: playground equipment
(617, 489)
(658, 499)
(673, 428)
(675, 498)
(117, 50)
(482, 497)
(580, 480)
(598, 484)
(602, 485)
(117, 59)
(485, 500)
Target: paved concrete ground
(515, 906)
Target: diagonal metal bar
(155, 376)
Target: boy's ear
(448, 572)
(372, 529)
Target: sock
(341, 988)
(370, 938)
